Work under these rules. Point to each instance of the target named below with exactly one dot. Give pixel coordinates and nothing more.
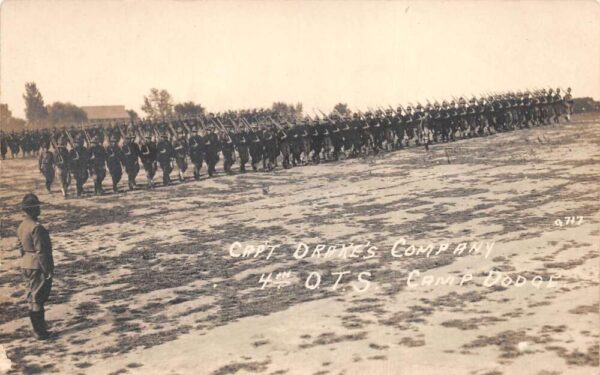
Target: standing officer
(37, 263)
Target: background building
(104, 114)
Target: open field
(145, 282)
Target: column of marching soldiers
(262, 136)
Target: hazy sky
(251, 53)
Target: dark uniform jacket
(36, 248)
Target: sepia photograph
(300, 187)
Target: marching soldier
(211, 149)
(37, 263)
(228, 149)
(46, 166)
(114, 159)
(181, 150)
(62, 160)
(284, 145)
(256, 150)
(97, 165)
(148, 154)
(196, 150)
(79, 165)
(131, 154)
(165, 154)
(568, 102)
(241, 141)
(3, 145)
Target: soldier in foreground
(37, 263)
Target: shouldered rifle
(278, 126)
(222, 127)
(172, 129)
(87, 137)
(72, 143)
(59, 157)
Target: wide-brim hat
(30, 200)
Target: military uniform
(79, 165)
(148, 157)
(114, 160)
(164, 153)
(131, 154)
(46, 166)
(97, 165)
(37, 263)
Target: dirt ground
(145, 282)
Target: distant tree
(132, 115)
(158, 104)
(16, 123)
(35, 111)
(65, 114)
(189, 109)
(284, 110)
(342, 109)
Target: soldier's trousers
(181, 163)
(228, 160)
(167, 168)
(132, 169)
(150, 168)
(49, 177)
(81, 176)
(256, 155)
(116, 172)
(65, 178)
(197, 162)
(212, 159)
(38, 289)
(99, 175)
(244, 157)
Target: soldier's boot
(115, 188)
(39, 325)
(181, 176)
(196, 173)
(48, 185)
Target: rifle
(172, 129)
(237, 129)
(223, 128)
(87, 137)
(186, 127)
(278, 126)
(70, 139)
(59, 157)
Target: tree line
(158, 104)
